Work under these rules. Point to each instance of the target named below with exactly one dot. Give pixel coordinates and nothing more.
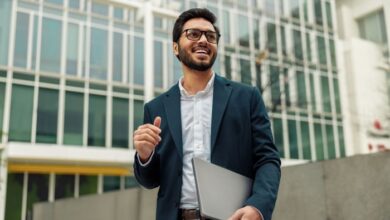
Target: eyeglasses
(196, 34)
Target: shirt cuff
(147, 162)
(261, 215)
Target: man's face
(196, 54)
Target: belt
(191, 214)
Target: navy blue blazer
(241, 141)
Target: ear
(175, 48)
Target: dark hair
(190, 14)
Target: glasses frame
(202, 33)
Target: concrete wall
(355, 188)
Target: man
(209, 117)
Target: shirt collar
(207, 89)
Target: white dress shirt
(196, 135)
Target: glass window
(319, 142)
(2, 96)
(292, 138)
(308, 47)
(120, 122)
(38, 191)
(329, 19)
(332, 53)
(138, 113)
(341, 141)
(278, 135)
(118, 13)
(305, 132)
(74, 4)
(111, 183)
(117, 60)
(269, 6)
(98, 54)
(99, 8)
(318, 12)
(5, 21)
(286, 91)
(59, 2)
(21, 39)
(64, 186)
(325, 94)
(47, 116)
(321, 50)
(72, 48)
(97, 121)
(88, 185)
(330, 142)
(138, 60)
(226, 27)
(130, 182)
(298, 51)
(245, 70)
(228, 67)
(21, 113)
(73, 121)
(34, 43)
(243, 31)
(271, 38)
(337, 95)
(301, 89)
(283, 36)
(312, 92)
(256, 31)
(13, 204)
(258, 77)
(51, 45)
(305, 10)
(294, 8)
(275, 86)
(373, 27)
(158, 64)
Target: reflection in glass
(292, 138)
(271, 38)
(73, 121)
(88, 185)
(72, 49)
(245, 71)
(158, 64)
(111, 183)
(330, 142)
(21, 39)
(98, 54)
(97, 121)
(21, 113)
(51, 45)
(305, 132)
(120, 122)
(278, 135)
(138, 60)
(13, 204)
(64, 186)
(243, 31)
(117, 59)
(38, 186)
(319, 142)
(47, 115)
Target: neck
(195, 81)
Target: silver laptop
(220, 191)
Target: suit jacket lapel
(172, 109)
(222, 90)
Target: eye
(211, 36)
(194, 34)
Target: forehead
(199, 23)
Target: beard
(186, 58)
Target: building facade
(74, 75)
(364, 41)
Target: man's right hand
(146, 138)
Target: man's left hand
(246, 213)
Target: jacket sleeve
(266, 166)
(148, 175)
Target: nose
(203, 38)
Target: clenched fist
(146, 138)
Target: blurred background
(74, 75)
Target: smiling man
(206, 116)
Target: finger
(237, 215)
(157, 121)
(146, 137)
(139, 133)
(150, 126)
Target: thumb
(157, 121)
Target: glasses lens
(193, 34)
(211, 37)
